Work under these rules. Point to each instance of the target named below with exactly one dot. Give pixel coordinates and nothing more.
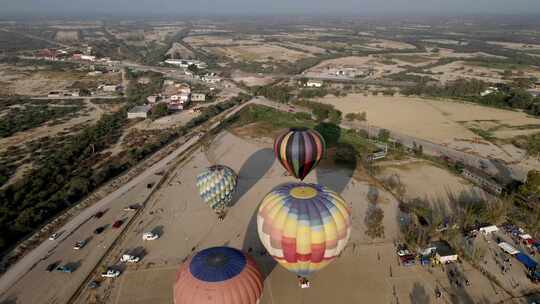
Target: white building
(198, 97)
(508, 248)
(488, 91)
(88, 57)
(110, 88)
(444, 253)
(184, 63)
(314, 84)
(138, 112)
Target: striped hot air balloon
(216, 186)
(299, 151)
(303, 226)
(221, 275)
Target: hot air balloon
(218, 275)
(303, 226)
(216, 186)
(299, 151)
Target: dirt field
(442, 122)
(389, 44)
(426, 181)
(517, 46)
(67, 36)
(179, 51)
(251, 79)
(202, 40)
(260, 52)
(177, 212)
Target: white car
(110, 273)
(150, 236)
(54, 236)
(128, 258)
(403, 252)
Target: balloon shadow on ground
(419, 294)
(252, 171)
(254, 247)
(9, 300)
(336, 173)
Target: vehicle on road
(133, 207)
(52, 266)
(110, 273)
(150, 236)
(99, 214)
(54, 236)
(117, 224)
(99, 230)
(64, 269)
(79, 245)
(128, 258)
(93, 285)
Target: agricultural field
(259, 53)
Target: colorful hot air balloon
(303, 226)
(216, 186)
(218, 275)
(299, 151)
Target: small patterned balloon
(216, 186)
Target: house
(138, 112)
(152, 99)
(110, 88)
(211, 78)
(88, 57)
(198, 97)
(488, 229)
(508, 248)
(483, 180)
(48, 54)
(314, 84)
(444, 253)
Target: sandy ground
(201, 40)
(67, 36)
(441, 122)
(251, 79)
(260, 52)
(179, 51)
(444, 118)
(367, 271)
(426, 181)
(516, 46)
(389, 44)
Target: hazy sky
(218, 7)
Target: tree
(330, 132)
(383, 135)
(532, 185)
(159, 110)
(374, 222)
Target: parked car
(64, 269)
(99, 214)
(52, 266)
(150, 236)
(403, 252)
(79, 245)
(110, 273)
(117, 224)
(54, 236)
(99, 230)
(128, 258)
(93, 285)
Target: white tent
(508, 249)
(488, 229)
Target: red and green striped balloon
(299, 151)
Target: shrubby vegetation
(322, 111)
(29, 116)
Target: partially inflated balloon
(303, 226)
(216, 186)
(299, 151)
(218, 275)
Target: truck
(110, 273)
(150, 236)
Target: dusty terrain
(177, 212)
(260, 52)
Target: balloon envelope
(218, 275)
(216, 186)
(303, 226)
(299, 151)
